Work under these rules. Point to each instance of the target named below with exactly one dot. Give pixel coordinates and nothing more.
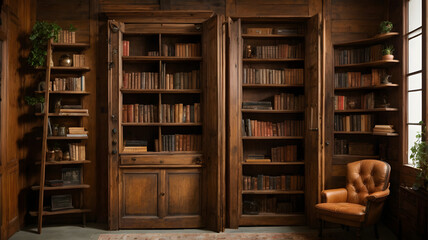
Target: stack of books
(77, 132)
(78, 60)
(261, 105)
(71, 110)
(132, 146)
(383, 129)
(257, 158)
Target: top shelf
(245, 35)
(376, 39)
(70, 45)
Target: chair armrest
(378, 196)
(334, 195)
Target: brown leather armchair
(361, 202)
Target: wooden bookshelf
(379, 38)
(379, 63)
(271, 192)
(172, 91)
(272, 111)
(63, 143)
(245, 35)
(273, 163)
(273, 60)
(156, 59)
(384, 86)
(274, 138)
(271, 86)
(367, 110)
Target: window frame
(423, 71)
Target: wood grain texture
(242, 8)
(183, 192)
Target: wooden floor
(92, 232)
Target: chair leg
(320, 228)
(376, 232)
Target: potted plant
(41, 33)
(385, 27)
(419, 157)
(387, 52)
(38, 102)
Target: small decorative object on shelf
(41, 86)
(65, 61)
(248, 51)
(38, 102)
(385, 27)
(386, 79)
(58, 154)
(55, 130)
(50, 157)
(60, 202)
(66, 156)
(57, 105)
(387, 52)
(71, 176)
(62, 131)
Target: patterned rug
(209, 236)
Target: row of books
(257, 128)
(180, 113)
(77, 132)
(283, 182)
(284, 154)
(153, 53)
(70, 111)
(134, 113)
(358, 79)
(66, 36)
(273, 204)
(366, 101)
(125, 48)
(179, 80)
(358, 55)
(179, 142)
(182, 49)
(289, 76)
(133, 146)
(68, 84)
(281, 51)
(353, 123)
(288, 101)
(77, 151)
(140, 80)
(79, 60)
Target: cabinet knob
(114, 151)
(113, 117)
(161, 161)
(114, 142)
(134, 159)
(114, 130)
(162, 194)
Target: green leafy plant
(72, 28)
(34, 100)
(40, 35)
(419, 157)
(385, 26)
(388, 50)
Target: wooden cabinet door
(183, 201)
(139, 193)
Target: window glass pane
(414, 82)
(415, 14)
(414, 107)
(415, 54)
(411, 138)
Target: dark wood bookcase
(365, 94)
(72, 92)
(165, 86)
(273, 109)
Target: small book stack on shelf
(140, 80)
(283, 182)
(353, 123)
(133, 146)
(182, 49)
(79, 60)
(281, 51)
(383, 129)
(289, 101)
(71, 110)
(181, 142)
(179, 80)
(359, 79)
(77, 132)
(68, 84)
(366, 101)
(257, 158)
(358, 55)
(259, 105)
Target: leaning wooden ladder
(41, 187)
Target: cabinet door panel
(183, 192)
(140, 193)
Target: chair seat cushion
(347, 211)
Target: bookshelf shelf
(65, 92)
(272, 111)
(272, 192)
(70, 45)
(65, 138)
(386, 134)
(273, 138)
(368, 41)
(271, 86)
(159, 58)
(273, 163)
(165, 153)
(353, 133)
(379, 63)
(392, 85)
(273, 59)
(64, 114)
(65, 187)
(65, 162)
(151, 166)
(272, 35)
(163, 91)
(71, 69)
(60, 212)
(163, 124)
(349, 156)
(367, 110)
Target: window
(414, 71)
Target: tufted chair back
(365, 177)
